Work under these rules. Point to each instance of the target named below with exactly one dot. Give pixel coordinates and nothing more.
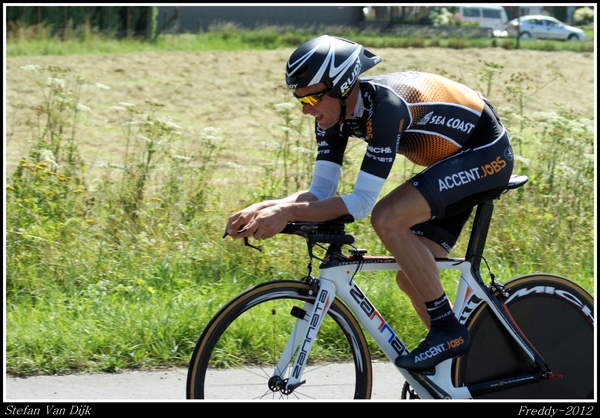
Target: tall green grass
(124, 270)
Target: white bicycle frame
(337, 281)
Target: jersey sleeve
(383, 137)
(384, 131)
(331, 145)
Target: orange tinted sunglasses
(312, 99)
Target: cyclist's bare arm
(241, 218)
(266, 219)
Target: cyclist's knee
(377, 219)
(397, 212)
(384, 222)
(383, 216)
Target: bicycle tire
(262, 312)
(557, 318)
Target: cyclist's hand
(262, 224)
(236, 225)
(267, 223)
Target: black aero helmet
(331, 60)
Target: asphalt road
(160, 385)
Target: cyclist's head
(337, 62)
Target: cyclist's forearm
(322, 210)
(240, 218)
(298, 197)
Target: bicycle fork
(301, 339)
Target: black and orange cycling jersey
(422, 116)
(434, 122)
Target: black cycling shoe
(439, 345)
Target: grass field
(120, 178)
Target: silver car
(544, 27)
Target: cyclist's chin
(325, 123)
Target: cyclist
(437, 123)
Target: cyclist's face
(326, 112)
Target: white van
(489, 17)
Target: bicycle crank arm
(479, 389)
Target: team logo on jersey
(453, 123)
(466, 176)
(379, 150)
(381, 154)
(369, 130)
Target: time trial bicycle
(532, 337)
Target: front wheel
(556, 316)
(237, 353)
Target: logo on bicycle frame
(470, 306)
(373, 315)
(320, 306)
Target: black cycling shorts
(454, 185)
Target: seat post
(479, 232)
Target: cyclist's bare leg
(406, 286)
(392, 219)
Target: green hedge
(136, 21)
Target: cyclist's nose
(307, 109)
